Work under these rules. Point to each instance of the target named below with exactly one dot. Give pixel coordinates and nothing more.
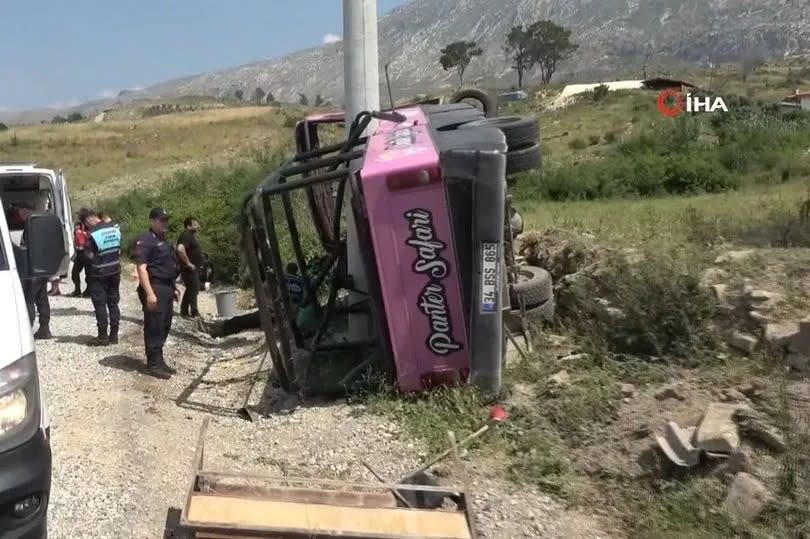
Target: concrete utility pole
(361, 74)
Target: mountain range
(613, 37)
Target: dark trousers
(104, 292)
(157, 323)
(36, 294)
(76, 272)
(191, 279)
(242, 322)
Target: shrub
(611, 137)
(601, 92)
(664, 310)
(75, 116)
(3, 127)
(578, 144)
(218, 195)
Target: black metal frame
(308, 170)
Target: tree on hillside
(239, 94)
(552, 44)
(458, 56)
(58, 119)
(270, 99)
(519, 46)
(3, 127)
(75, 116)
(319, 102)
(750, 64)
(302, 100)
(258, 95)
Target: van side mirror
(44, 247)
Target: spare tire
(489, 105)
(523, 160)
(533, 287)
(520, 131)
(536, 315)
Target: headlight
(19, 402)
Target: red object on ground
(498, 414)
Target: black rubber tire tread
(535, 288)
(487, 101)
(520, 131)
(523, 160)
(534, 316)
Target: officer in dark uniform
(102, 256)
(157, 273)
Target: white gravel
(123, 442)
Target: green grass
(102, 159)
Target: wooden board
(272, 515)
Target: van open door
(65, 214)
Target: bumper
(24, 472)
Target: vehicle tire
(489, 104)
(520, 131)
(533, 288)
(523, 160)
(536, 315)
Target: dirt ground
(123, 442)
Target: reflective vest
(107, 250)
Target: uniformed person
(157, 273)
(190, 255)
(102, 256)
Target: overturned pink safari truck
(429, 199)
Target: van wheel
(523, 160)
(488, 104)
(532, 289)
(519, 131)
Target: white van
(43, 191)
(38, 250)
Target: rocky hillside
(613, 35)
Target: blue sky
(63, 52)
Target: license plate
(489, 277)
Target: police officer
(102, 255)
(157, 273)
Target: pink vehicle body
(410, 227)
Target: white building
(798, 100)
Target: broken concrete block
(732, 395)
(759, 318)
(670, 391)
(628, 390)
(713, 276)
(738, 462)
(743, 342)
(717, 432)
(677, 446)
(754, 425)
(734, 256)
(562, 378)
(720, 291)
(781, 334)
(747, 497)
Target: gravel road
(123, 442)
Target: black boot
(101, 339)
(43, 333)
(77, 292)
(166, 367)
(113, 334)
(156, 368)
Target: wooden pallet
(227, 505)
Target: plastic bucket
(226, 303)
